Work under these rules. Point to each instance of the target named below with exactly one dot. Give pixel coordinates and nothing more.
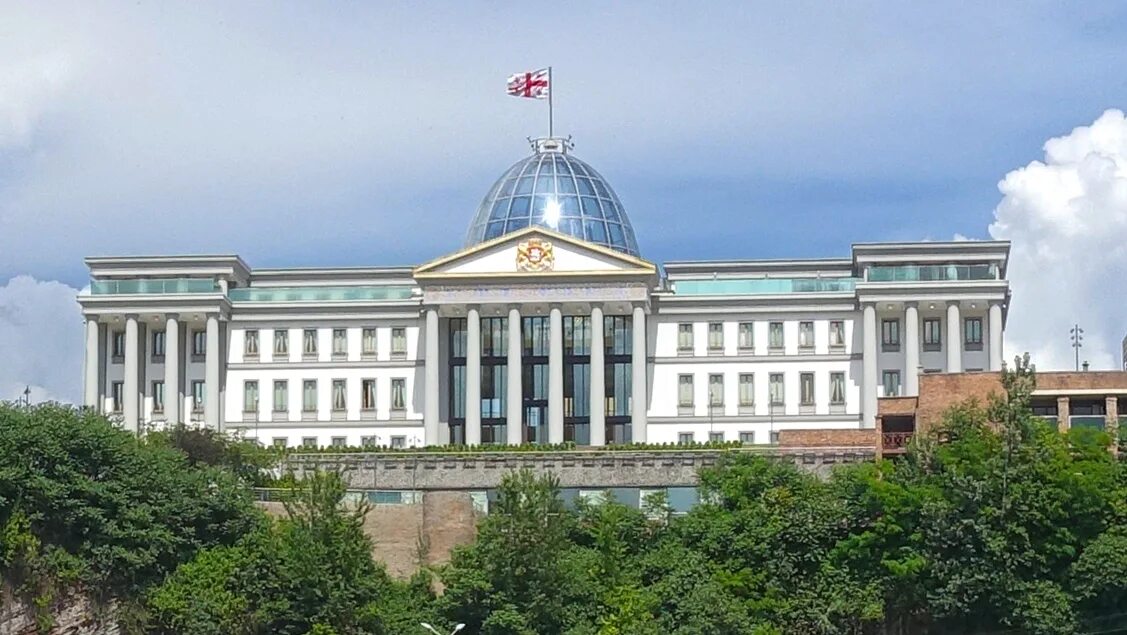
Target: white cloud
(1067, 218)
(41, 340)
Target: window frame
(308, 406)
(340, 405)
(806, 331)
(398, 342)
(715, 337)
(782, 383)
(932, 334)
(890, 335)
(681, 383)
(402, 383)
(716, 436)
(309, 344)
(972, 337)
(807, 389)
(340, 343)
(884, 382)
(365, 339)
(158, 404)
(199, 395)
(250, 388)
(285, 385)
(364, 384)
(157, 346)
(715, 397)
(117, 396)
(685, 337)
(199, 344)
(750, 402)
(745, 336)
(117, 346)
(251, 341)
(685, 438)
(834, 377)
(780, 344)
(747, 437)
(281, 336)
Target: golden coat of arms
(535, 255)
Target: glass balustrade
(152, 286)
(931, 273)
(764, 286)
(319, 294)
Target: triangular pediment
(534, 251)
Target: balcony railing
(1096, 422)
(764, 286)
(895, 440)
(319, 294)
(139, 286)
(931, 273)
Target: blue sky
(296, 133)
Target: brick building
(1070, 399)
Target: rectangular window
(716, 337)
(685, 391)
(774, 437)
(368, 342)
(891, 382)
(837, 334)
(747, 390)
(746, 336)
(684, 338)
(398, 442)
(775, 340)
(309, 343)
(199, 343)
(197, 396)
(890, 335)
(399, 394)
(118, 346)
(685, 438)
(715, 437)
(158, 346)
(281, 395)
(281, 343)
(340, 398)
(806, 335)
(806, 389)
(250, 396)
(339, 442)
(309, 395)
(158, 397)
(117, 390)
(399, 342)
(972, 334)
(280, 443)
(368, 442)
(368, 394)
(933, 334)
(716, 390)
(340, 343)
(837, 388)
(250, 344)
(776, 388)
(309, 442)
(747, 438)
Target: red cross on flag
(532, 84)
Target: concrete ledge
(585, 469)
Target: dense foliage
(995, 522)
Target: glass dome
(553, 189)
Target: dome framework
(553, 189)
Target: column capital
(913, 304)
(513, 307)
(132, 316)
(171, 316)
(954, 303)
(555, 306)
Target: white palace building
(549, 326)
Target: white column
(598, 379)
(430, 380)
(93, 359)
(172, 369)
(639, 398)
(473, 377)
(869, 385)
(211, 374)
(954, 339)
(995, 328)
(911, 350)
(555, 377)
(131, 407)
(514, 413)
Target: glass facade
(535, 340)
(318, 294)
(757, 286)
(930, 273)
(557, 191)
(577, 379)
(166, 285)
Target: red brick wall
(851, 438)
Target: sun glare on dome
(552, 213)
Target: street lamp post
(1077, 337)
(435, 631)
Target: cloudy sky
(315, 134)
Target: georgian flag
(533, 84)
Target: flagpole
(551, 89)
